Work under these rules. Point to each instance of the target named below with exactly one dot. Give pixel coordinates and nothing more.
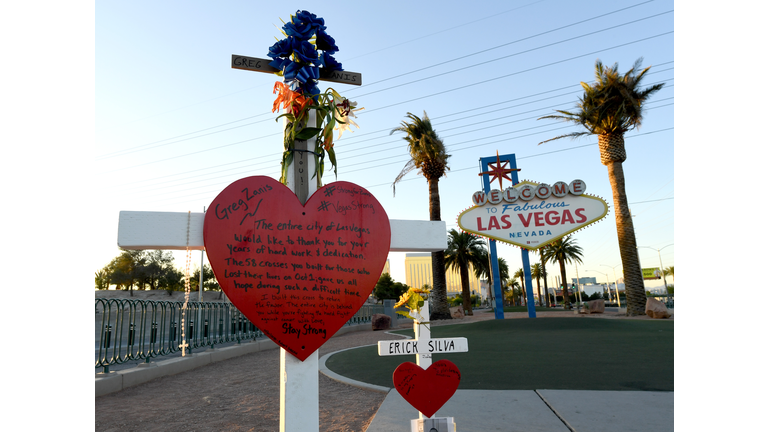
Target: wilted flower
(345, 109)
(289, 98)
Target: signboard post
(497, 165)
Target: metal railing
(129, 330)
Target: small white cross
(423, 346)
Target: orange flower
(283, 95)
(299, 102)
(289, 98)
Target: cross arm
(168, 230)
(262, 65)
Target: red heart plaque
(427, 390)
(298, 273)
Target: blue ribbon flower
(297, 58)
(280, 63)
(304, 51)
(311, 19)
(281, 48)
(325, 42)
(329, 63)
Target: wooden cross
(299, 386)
(423, 346)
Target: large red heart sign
(427, 390)
(298, 273)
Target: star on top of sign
(498, 170)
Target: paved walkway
(539, 410)
(532, 410)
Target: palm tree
(610, 107)
(464, 250)
(511, 285)
(429, 157)
(520, 274)
(670, 271)
(536, 273)
(563, 250)
(485, 271)
(544, 276)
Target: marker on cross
(423, 345)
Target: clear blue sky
(175, 124)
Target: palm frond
(572, 135)
(409, 166)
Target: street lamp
(607, 283)
(615, 283)
(663, 276)
(578, 283)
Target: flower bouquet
(299, 56)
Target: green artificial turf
(542, 353)
(525, 309)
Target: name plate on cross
(262, 65)
(433, 346)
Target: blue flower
(280, 63)
(300, 30)
(310, 18)
(301, 73)
(311, 88)
(304, 50)
(281, 48)
(325, 42)
(308, 74)
(329, 63)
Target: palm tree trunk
(441, 309)
(544, 275)
(538, 288)
(612, 155)
(566, 300)
(464, 273)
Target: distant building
(418, 272)
(584, 280)
(386, 268)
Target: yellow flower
(403, 299)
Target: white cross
(423, 346)
(299, 386)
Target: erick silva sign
(532, 215)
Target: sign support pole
(497, 292)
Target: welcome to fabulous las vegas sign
(531, 215)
